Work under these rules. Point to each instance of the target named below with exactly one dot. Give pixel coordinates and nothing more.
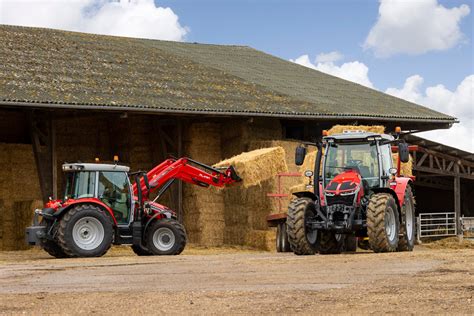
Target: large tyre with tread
(285, 243)
(330, 243)
(407, 227)
(141, 251)
(279, 237)
(51, 246)
(166, 237)
(350, 243)
(382, 223)
(302, 242)
(85, 231)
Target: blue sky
(418, 50)
(289, 29)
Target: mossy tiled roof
(47, 66)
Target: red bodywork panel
(348, 181)
(56, 204)
(182, 170)
(399, 185)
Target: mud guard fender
(306, 194)
(91, 201)
(400, 188)
(159, 215)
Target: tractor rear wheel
(140, 251)
(330, 243)
(53, 249)
(166, 237)
(85, 231)
(407, 227)
(303, 241)
(382, 223)
(51, 246)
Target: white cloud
(415, 27)
(458, 103)
(133, 18)
(329, 57)
(353, 71)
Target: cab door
(114, 191)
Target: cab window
(80, 185)
(114, 191)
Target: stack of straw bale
(247, 204)
(19, 187)
(339, 129)
(203, 208)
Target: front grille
(340, 199)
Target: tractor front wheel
(303, 240)
(85, 231)
(382, 223)
(407, 227)
(166, 237)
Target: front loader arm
(187, 170)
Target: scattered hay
(450, 243)
(339, 129)
(257, 165)
(261, 239)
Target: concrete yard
(239, 281)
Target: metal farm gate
(436, 225)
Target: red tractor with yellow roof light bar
(101, 207)
(357, 193)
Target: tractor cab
(366, 154)
(106, 182)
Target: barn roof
(52, 68)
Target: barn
(67, 96)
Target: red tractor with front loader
(102, 207)
(357, 193)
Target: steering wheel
(355, 162)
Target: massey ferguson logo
(205, 176)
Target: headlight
(347, 193)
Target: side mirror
(300, 154)
(403, 152)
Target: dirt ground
(232, 280)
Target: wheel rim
(312, 236)
(409, 220)
(390, 225)
(163, 239)
(88, 233)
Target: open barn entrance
(444, 181)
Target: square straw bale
(258, 165)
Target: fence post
(418, 229)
